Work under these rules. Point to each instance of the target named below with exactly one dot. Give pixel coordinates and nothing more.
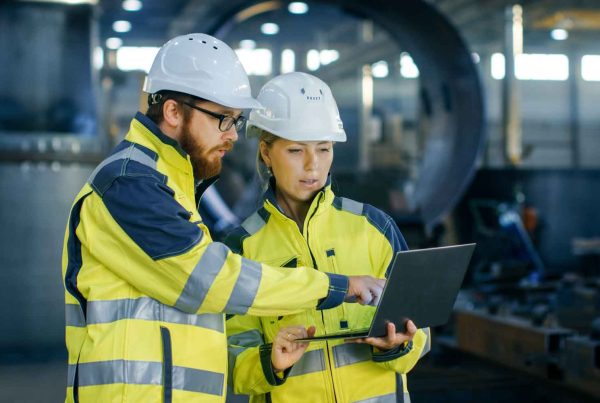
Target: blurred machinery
(532, 299)
(517, 312)
(507, 250)
(525, 333)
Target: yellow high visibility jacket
(146, 288)
(339, 236)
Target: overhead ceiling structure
(479, 22)
(433, 32)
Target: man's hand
(392, 339)
(286, 352)
(365, 290)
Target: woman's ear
(264, 153)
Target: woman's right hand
(286, 352)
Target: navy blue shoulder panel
(126, 159)
(145, 209)
(137, 197)
(386, 225)
(235, 240)
(380, 220)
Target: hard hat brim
(254, 129)
(240, 103)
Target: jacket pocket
(333, 268)
(288, 261)
(330, 253)
(167, 365)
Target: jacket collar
(152, 128)
(144, 131)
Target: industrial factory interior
(466, 122)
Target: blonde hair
(264, 173)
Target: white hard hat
(203, 66)
(297, 107)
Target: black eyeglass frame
(226, 122)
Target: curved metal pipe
(451, 96)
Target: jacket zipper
(326, 348)
(307, 236)
(322, 314)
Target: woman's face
(300, 168)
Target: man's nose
(231, 134)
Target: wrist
(392, 354)
(273, 377)
(337, 292)
(276, 369)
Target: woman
(303, 223)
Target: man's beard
(203, 164)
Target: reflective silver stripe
(253, 223)
(119, 371)
(202, 277)
(237, 344)
(74, 315)
(245, 288)
(131, 153)
(347, 354)
(71, 374)
(352, 206)
(232, 356)
(250, 338)
(391, 398)
(146, 308)
(197, 380)
(311, 361)
(147, 373)
(406, 397)
(427, 346)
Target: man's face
(204, 142)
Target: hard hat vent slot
(215, 48)
(302, 91)
(203, 41)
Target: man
(146, 287)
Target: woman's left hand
(392, 339)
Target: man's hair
(157, 100)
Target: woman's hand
(286, 352)
(392, 339)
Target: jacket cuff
(267, 366)
(389, 355)
(338, 288)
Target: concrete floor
(444, 375)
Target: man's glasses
(225, 121)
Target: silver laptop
(422, 286)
